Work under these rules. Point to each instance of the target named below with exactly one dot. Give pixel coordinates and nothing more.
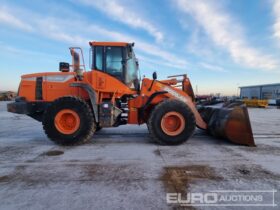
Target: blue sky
(220, 44)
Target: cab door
(114, 62)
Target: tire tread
(165, 106)
(83, 106)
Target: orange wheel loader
(73, 104)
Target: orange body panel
(187, 88)
(118, 44)
(171, 93)
(54, 85)
(102, 82)
(134, 108)
(26, 90)
(57, 84)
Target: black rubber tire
(87, 122)
(154, 122)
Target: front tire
(69, 121)
(171, 122)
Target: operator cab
(116, 59)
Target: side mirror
(64, 67)
(154, 75)
(154, 78)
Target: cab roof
(119, 44)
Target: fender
(150, 99)
(92, 97)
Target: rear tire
(69, 121)
(171, 123)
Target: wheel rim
(67, 121)
(172, 123)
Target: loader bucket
(229, 122)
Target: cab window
(98, 58)
(131, 72)
(114, 62)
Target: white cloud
(7, 18)
(157, 62)
(15, 51)
(226, 33)
(212, 67)
(147, 48)
(123, 13)
(79, 32)
(276, 26)
(57, 29)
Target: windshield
(114, 58)
(132, 71)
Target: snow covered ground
(121, 169)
